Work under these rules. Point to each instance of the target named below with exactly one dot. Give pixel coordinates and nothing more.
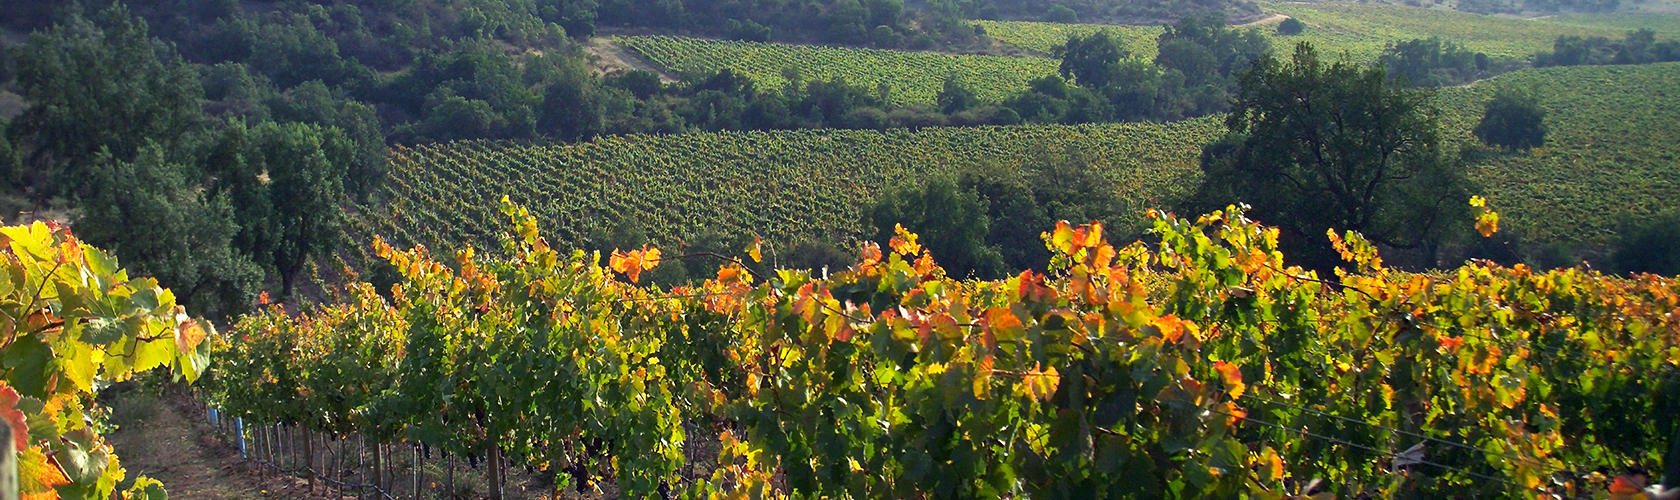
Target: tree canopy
(1315, 146)
(1512, 119)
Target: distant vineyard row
(787, 186)
(912, 77)
(1362, 30)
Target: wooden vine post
(309, 457)
(415, 466)
(8, 465)
(495, 471)
(378, 470)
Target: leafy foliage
(191, 240)
(1091, 61)
(1650, 246)
(1512, 119)
(1640, 47)
(1316, 145)
(74, 322)
(910, 77)
(1204, 365)
(989, 217)
(1290, 27)
(1432, 62)
(97, 85)
(953, 218)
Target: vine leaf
(904, 241)
(1040, 384)
(632, 263)
(37, 476)
(1232, 377)
(8, 410)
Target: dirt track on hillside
(611, 56)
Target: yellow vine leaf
(1487, 223)
(904, 241)
(1170, 326)
(37, 477)
(1271, 465)
(1232, 376)
(983, 378)
(1040, 385)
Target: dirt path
(165, 439)
(1274, 18)
(611, 56)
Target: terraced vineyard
(785, 185)
(914, 77)
(1362, 30)
(1613, 152)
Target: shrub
(1061, 14)
(1513, 120)
(1651, 246)
(1291, 27)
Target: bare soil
(1271, 19)
(613, 57)
(167, 438)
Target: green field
(1362, 30)
(1614, 152)
(1045, 37)
(914, 77)
(787, 186)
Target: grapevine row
(788, 186)
(912, 77)
(1203, 365)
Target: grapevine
(1203, 365)
(73, 322)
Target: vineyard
(1044, 38)
(1202, 366)
(786, 186)
(1612, 154)
(1362, 30)
(912, 77)
(1613, 151)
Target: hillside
(914, 77)
(788, 186)
(1612, 154)
(1044, 38)
(1362, 30)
